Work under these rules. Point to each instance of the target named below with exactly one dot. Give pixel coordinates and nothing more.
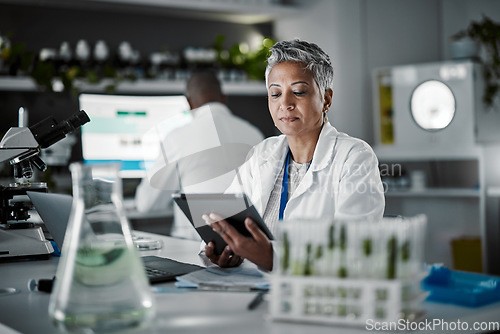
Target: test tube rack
(329, 300)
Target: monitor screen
(119, 122)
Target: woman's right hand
(226, 259)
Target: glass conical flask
(100, 284)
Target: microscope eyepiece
(48, 131)
(74, 122)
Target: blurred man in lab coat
(198, 157)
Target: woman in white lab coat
(312, 170)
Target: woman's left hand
(257, 248)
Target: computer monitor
(117, 126)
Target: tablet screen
(234, 208)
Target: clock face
(432, 105)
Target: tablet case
(220, 204)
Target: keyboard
(160, 269)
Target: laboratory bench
(189, 310)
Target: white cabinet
(453, 199)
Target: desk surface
(187, 311)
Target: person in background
(311, 171)
(200, 156)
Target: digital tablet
(234, 208)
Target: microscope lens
(26, 169)
(39, 163)
(18, 173)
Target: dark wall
(41, 26)
(254, 109)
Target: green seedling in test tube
(367, 251)
(391, 257)
(297, 261)
(329, 269)
(331, 239)
(405, 251)
(343, 238)
(342, 272)
(319, 252)
(404, 269)
(309, 261)
(318, 261)
(342, 244)
(286, 253)
(367, 247)
(297, 268)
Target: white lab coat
(199, 157)
(343, 180)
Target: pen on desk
(224, 287)
(169, 290)
(257, 300)
(44, 285)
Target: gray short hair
(310, 54)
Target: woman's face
(295, 100)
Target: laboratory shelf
(18, 84)
(435, 192)
(140, 86)
(426, 154)
(493, 192)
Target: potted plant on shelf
(485, 34)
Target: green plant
(253, 62)
(15, 57)
(43, 73)
(487, 33)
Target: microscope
(21, 146)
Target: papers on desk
(225, 279)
